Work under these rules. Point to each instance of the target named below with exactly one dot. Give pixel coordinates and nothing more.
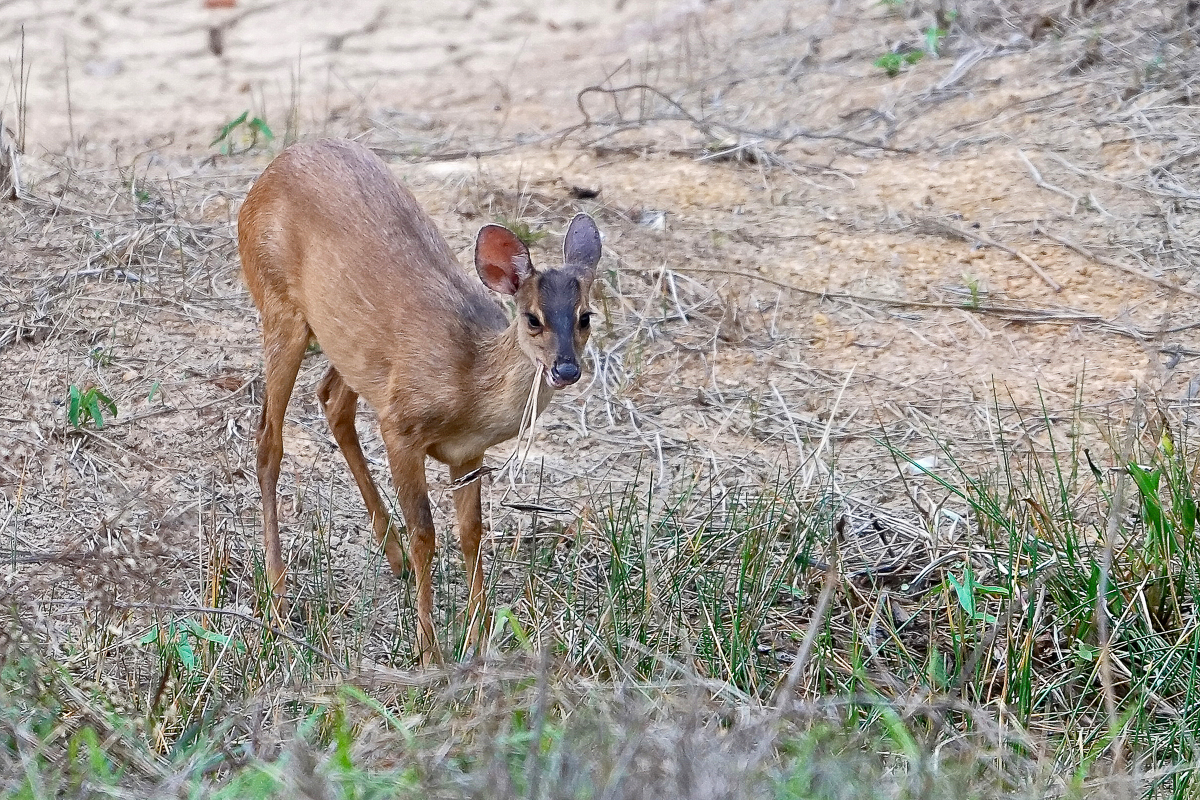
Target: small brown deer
(334, 248)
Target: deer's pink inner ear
(496, 279)
(501, 259)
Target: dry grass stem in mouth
(529, 418)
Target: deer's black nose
(565, 374)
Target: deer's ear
(581, 247)
(501, 259)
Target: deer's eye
(585, 320)
(535, 324)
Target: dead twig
(1041, 183)
(943, 227)
(1009, 313)
(708, 126)
(1108, 262)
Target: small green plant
(242, 134)
(88, 405)
(139, 193)
(933, 40)
(530, 236)
(974, 287)
(506, 618)
(894, 63)
(177, 637)
(968, 590)
(86, 755)
(101, 357)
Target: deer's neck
(491, 407)
(508, 374)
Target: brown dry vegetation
(809, 267)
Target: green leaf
(154, 387)
(506, 616)
(899, 733)
(108, 402)
(73, 407)
(966, 598)
(92, 404)
(938, 677)
(200, 632)
(259, 125)
(933, 39)
(228, 127)
(192, 627)
(966, 594)
(379, 708)
(1147, 482)
(150, 636)
(186, 654)
(893, 63)
(101, 769)
(1188, 517)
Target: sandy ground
(844, 288)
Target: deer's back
(328, 233)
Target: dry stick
(1042, 184)
(810, 637)
(370, 674)
(1108, 262)
(705, 126)
(529, 419)
(784, 696)
(990, 242)
(10, 175)
(172, 409)
(1008, 313)
(22, 96)
(70, 111)
(1115, 512)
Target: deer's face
(554, 322)
(553, 315)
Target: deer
(335, 249)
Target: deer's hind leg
(285, 338)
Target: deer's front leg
(468, 507)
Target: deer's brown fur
(333, 247)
